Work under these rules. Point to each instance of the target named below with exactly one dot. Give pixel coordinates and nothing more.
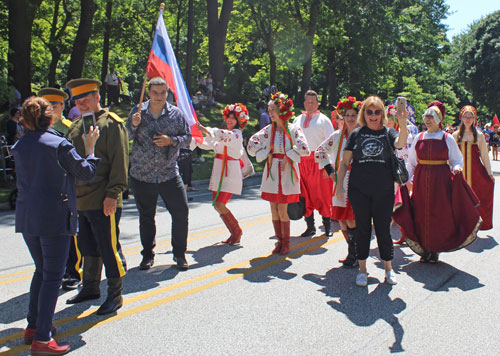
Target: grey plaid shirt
(148, 162)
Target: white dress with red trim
(330, 152)
(276, 180)
(227, 144)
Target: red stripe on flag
(158, 68)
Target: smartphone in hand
(401, 104)
(88, 120)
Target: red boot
(233, 226)
(285, 237)
(346, 237)
(52, 348)
(403, 236)
(277, 232)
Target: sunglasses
(373, 112)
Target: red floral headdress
(240, 112)
(284, 105)
(391, 112)
(348, 103)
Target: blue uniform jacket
(46, 166)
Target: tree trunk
(105, 45)
(272, 66)
(178, 28)
(189, 46)
(217, 31)
(75, 68)
(52, 45)
(310, 32)
(56, 56)
(333, 95)
(21, 15)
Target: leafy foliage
(360, 47)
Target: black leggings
(376, 205)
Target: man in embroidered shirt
(314, 183)
(159, 131)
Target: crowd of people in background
(342, 167)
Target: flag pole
(162, 7)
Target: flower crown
(391, 112)
(284, 105)
(348, 103)
(240, 112)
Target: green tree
(482, 61)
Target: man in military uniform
(56, 97)
(99, 202)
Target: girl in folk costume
(441, 215)
(477, 168)
(226, 178)
(328, 156)
(281, 145)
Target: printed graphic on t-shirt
(372, 148)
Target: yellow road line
(159, 291)
(16, 273)
(163, 243)
(123, 314)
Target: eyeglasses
(371, 112)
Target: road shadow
(14, 309)
(260, 271)
(441, 277)
(361, 307)
(265, 269)
(212, 255)
(482, 244)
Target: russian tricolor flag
(162, 63)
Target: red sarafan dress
(476, 175)
(441, 214)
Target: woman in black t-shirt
(371, 184)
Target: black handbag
(296, 210)
(399, 171)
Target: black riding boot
(311, 230)
(114, 301)
(351, 260)
(327, 224)
(91, 278)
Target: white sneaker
(362, 279)
(390, 278)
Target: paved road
(240, 300)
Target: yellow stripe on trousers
(114, 243)
(78, 264)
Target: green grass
(4, 194)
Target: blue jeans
(49, 254)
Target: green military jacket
(112, 171)
(62, 126)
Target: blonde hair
(372, 101)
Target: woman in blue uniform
(47, 166)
